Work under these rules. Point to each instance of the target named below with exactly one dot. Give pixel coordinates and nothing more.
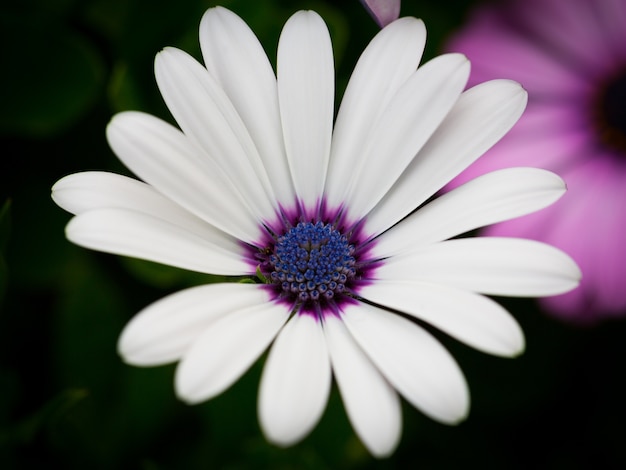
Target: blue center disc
(312, 261)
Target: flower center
(611, 108)
(312, 262)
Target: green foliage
(167, 277)
(51, 79)
(5, 230)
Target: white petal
(488, 199)
(490, 265)
(481, 116)
(90, 190)
(208, 118)
(227, 348)
(372, 404)
(128, 233)
(387, 62)
(163, 157)
(306, 89)
(162, 332)
(407, 122)
(471, 318)
(415, 363)
(234, 56)
(295, 383)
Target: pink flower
(571, 57)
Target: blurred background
(67, 400)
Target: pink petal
(383, 11)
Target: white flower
(258, 181)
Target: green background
(66, 398)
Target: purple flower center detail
(312, 261)
(314, 264)
(611, 109)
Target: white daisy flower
(258, 182)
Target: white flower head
(258, 180)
